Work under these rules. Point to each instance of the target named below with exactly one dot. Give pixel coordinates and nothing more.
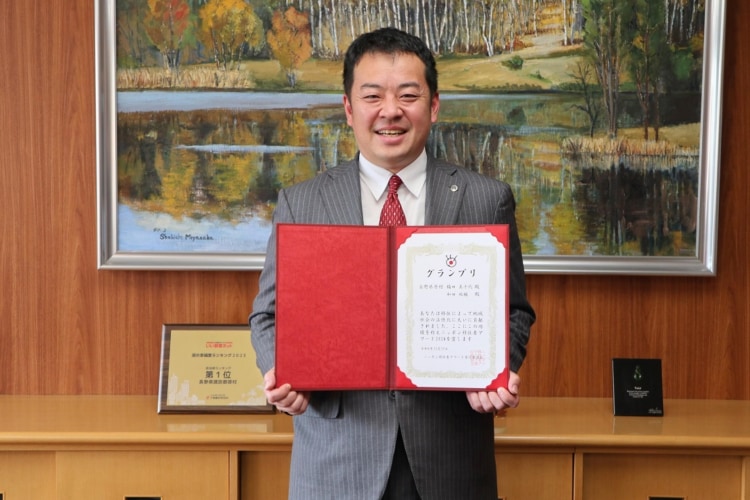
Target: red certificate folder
(367, 307)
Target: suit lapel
(444, 194)
(341, 194)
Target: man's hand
(494, 401)
(284, 398)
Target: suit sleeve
(263, 317)
(522, 315)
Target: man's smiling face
(390, 109)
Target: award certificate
(367, 307)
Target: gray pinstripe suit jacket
(344, 442)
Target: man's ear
(348, 109)
(435, 107)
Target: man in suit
(360, 445)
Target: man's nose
(391, 107)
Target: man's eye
(409, 97)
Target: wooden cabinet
(697, 450)
(137, 475)
(27, 475)
(264, 474)
(523, 475)
(671, 476)
(119, 448)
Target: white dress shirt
(411, 194)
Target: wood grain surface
(68, 328)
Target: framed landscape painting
(604, 116)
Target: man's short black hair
(389, 41)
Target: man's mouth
(390, 132)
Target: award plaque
(636, 387)
(209, 369)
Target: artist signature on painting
(164, 234)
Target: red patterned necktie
(393, 214)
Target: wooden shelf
(589, 423)
(576, 444)
(123, 420)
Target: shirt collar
(376, 178)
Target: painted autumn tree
(290, 41)
(226, 25)
(168, 24)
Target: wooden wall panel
(67, 328)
